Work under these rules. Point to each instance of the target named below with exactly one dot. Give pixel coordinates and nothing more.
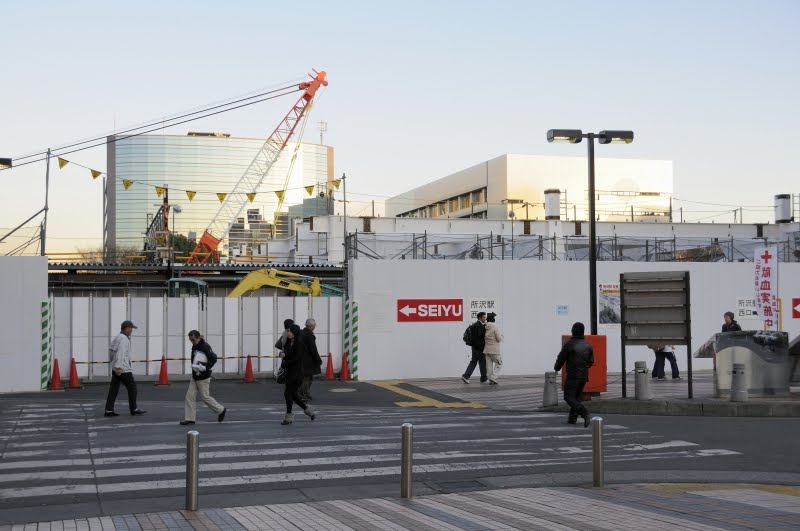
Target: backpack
(467, 337)
(470, 334)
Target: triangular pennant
(126, 183)
(221, 197)
(280, 193)
(251, 196)
(190, 194)
(160, 191)
(336, 183)
(310, 189)
(62, 162)
(95, 173)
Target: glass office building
(202, 165)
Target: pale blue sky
(418, 89)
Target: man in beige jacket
(494, 360)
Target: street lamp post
(511, 215)
(574, 136)
(176, 209)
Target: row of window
(448, 206)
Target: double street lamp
(574, 136)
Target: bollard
(550, 396)
(192, 469)
(642, 385)
(406, 460)
(738, 383)
(597, 451)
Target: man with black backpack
(203, 358)
(474, 336)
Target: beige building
(627, 190)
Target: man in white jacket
(121, 371)
(491, 349)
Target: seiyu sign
(429, 310)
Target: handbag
(280, 376)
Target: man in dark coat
(478, 342)
(730, 324)
(311, 361)
(578, 356)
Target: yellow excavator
(278, 279)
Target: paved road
(62, 459)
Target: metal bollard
(597, 451)
(739, 383)
(642, 384)
(550, 396)
(192, 469)
(406, 460)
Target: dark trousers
(479, 359)
(305, 388)
(661, 358)
(292, 395)
(126, 378)
(573, 390)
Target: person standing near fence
(203, 358)
(121, 371)
(311, 360)
(491, 348)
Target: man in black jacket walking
(203, 358)
(477, 344)
(312, 362)
(578, 356)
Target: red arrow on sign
(796, 308)
(429, 310)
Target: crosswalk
(72, 451)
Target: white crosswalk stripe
(59, 455)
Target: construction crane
(207, 247)
(276, 279)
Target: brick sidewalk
(622, 507)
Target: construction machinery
(207, 248)
(279, 279)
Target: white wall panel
(155, 334)
(79, 344)
(267, 335)
(528, 294)
(250, 337)
(230, 348)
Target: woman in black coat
(293, 353)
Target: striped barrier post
(351, 336)
(46, 342)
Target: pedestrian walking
(121, 371)
(663, 354)
(578, 356)
(312, 362)
(730, 324)
(491, 348)
(476, 342)
(294, 351)
(203, 358)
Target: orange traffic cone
(329, 370)
(55, 379)
(74, 381)
(248, 371)
(163, 377)
(344, 374)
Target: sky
(418, 90)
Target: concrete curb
(696, 408)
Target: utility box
(598, 373)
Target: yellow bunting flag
(336, 183)
(310, 189)
(62, 162)
(190, 194)
(251, 196)
(160, 191)
(280, 193)
(126, 183)
(95, 173)
(221, 197)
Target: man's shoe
(186, 422)
(677, 378)
(465, 379)
(287, 419)
(572, 421)
(586, 420)
(138, 412)
(221, 416)
(110, 414)
(493, 382)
